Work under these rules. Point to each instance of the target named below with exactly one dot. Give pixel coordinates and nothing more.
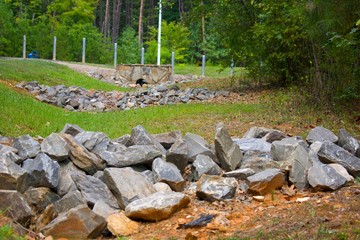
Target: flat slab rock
(156, 207)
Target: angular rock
(72, 129)
(198, 145)
(324, 177)
(70, 200)
(11, 156)
(45, 217)
(42, 171)
(149, 176)
(205, 165)
(133, 155)
(139, 136)
(342, 171)
(266, 181)
(94, 190)
(349, 143)
(216, 188)
(14, 205)
(332, 153)
(300, 165)
(11, 175)
(27, 147)
(77, 223)
(321, 134)
(259, 161)
(120, 225)
(240, 174)
(178, 154)
(169, 174)
(282, 150)
(156, 207)
(103, 209)
(253, 144)
(93, 141)
(257, 132)
(56, 147)
(66, 183)
(81, 157)
(127, 185)
(162, 187)
(167, 139)
(40, 198)
(6, 148)
(227, 152)
(274, 136)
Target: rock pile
(79, 99)
(78, 184)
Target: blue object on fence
(34, 54)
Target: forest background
(314, 44)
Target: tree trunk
(107, 20)
(140, 31)
(181, 10)
(116, 19)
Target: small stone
(120, 225)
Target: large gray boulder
(93, 141)
(134, 155)
(324, 177)
(253, 144)
(66, 183)
(281, 151)
(321, 134)
(227, 152)
(27, 147)
(198, 145)
(127, 185)
(56, 147)
(139, 136)
(81, 157)
(14, 205)
(42, 171)
(40, 198)
(11, 175)
(94, 190)
(103, 209)
(12, 156)
(169, 174)
(205, 165)
(215, 188)
(332, 153)
(274, 136)
(266, 181)
(258, 161)
(342, 171)
(178, 154)
(300, 165)
(349, 143)
(77, 223)
(68, 201)
(156, 207)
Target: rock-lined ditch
(79, 184)
(79, 99)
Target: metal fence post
(83, 49)
(232, 68)
(24, 46)
(203, 66)
(54, 49)
(115, 54)
(142, 56)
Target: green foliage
(6, 29)
(174, 38)
(128, 47)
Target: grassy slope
(48, 73)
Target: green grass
(48, 73)
(210, 71)
(21, 114)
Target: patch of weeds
(342, 236)
(7, 233)
(357, 180)
(324, 231)
(122, 238)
